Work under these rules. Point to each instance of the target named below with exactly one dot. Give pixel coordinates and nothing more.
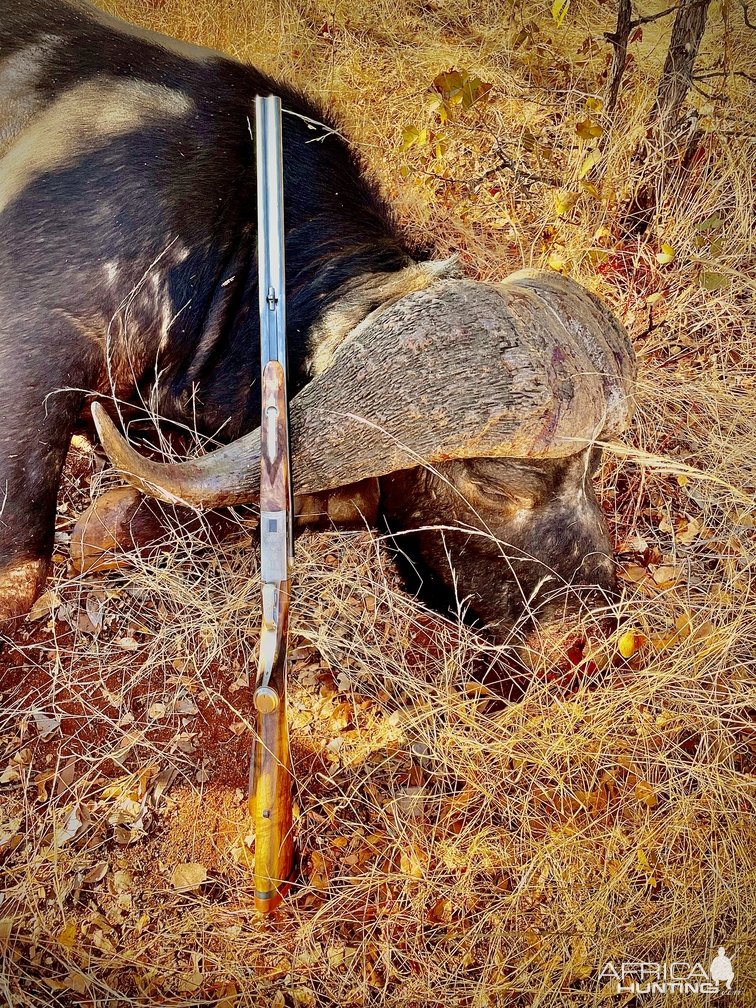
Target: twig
(505, 164)
(746, 19)
(725, 73)
(637, 22)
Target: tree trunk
(619, 40)
(677, 75)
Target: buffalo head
(477, 407)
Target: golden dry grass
(456, 852)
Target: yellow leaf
(413, 137)
(667, 255)
(67, 937)
(303, 997)
(586, 129)
(590, 162)
(626, 645)
(559, 10)
(594, 104)
(558, 261)
(564, 201)
(411, 861)
(187, 876)
(590, 188)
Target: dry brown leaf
(46, 726)
(318, 871)
(666, 576)
(644, 792)
(188, 876)
(43, 606)
(96, 873)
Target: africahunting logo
(673, 977)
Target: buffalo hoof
(20, 584)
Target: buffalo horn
(532, 367)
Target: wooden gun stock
(271, 793)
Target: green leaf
(711, 281)
(559, 10)
(710, 223)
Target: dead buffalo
(128, 276)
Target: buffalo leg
(35, 433)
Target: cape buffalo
(128, 275)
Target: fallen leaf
(411, 861)
(95, 606)
(558, 261)
(666, 255)
(95, 874)
(634, 573)
(712, 281)
(626, 644)
(127, 643)
(564, 201)
(589, 162)
(68, 935)
(588, 130)
(43, 606)
(188, 876)
(665, 576)
(73, 823)
(46, 726)
(318, 871)
(645, 793)
(412, 136)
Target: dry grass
(456, 851)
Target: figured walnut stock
(271, 803)
(532, 367)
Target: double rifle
(270, 798)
